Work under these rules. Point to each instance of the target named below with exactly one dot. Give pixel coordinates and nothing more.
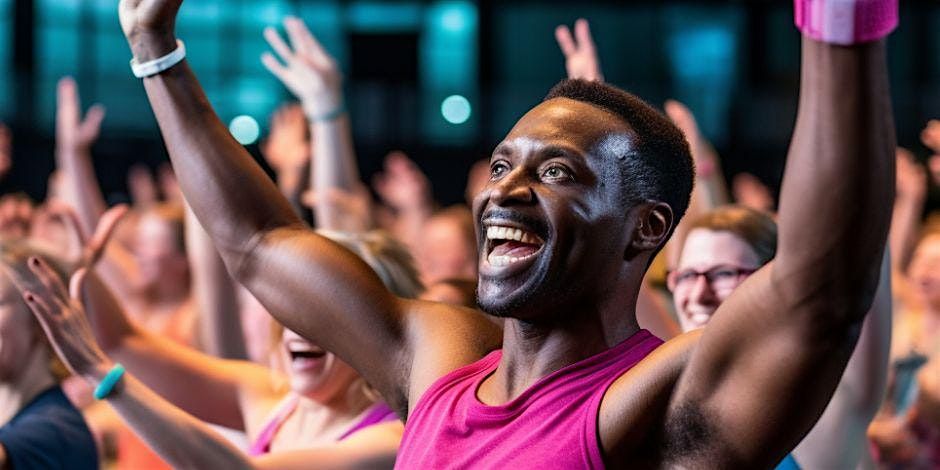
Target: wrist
(149, 45)
(96, 371)
(324, 108)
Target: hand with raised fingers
(74, 133)
(149, 26)
(930, 136)
(580, 54)
(169, 185)
(287, 147)
(308, 71)
(402, 185)
(749, 191)
(911, 177)
(682, 117)
(142, 187)
(355, 205)
(62, 317)
(86, 250)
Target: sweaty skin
(801, 313)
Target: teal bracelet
(109, 381)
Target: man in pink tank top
(584, 190)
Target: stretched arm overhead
(220, 328)
(180, 439)
(838, 440)
(313, 76)
(79, 185)
(789, 330)
(310, 284)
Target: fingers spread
(48, 277)
(103, 231)
(582, 32)
(76, 283)
(274, 66)
(565, 41)
(278, 44)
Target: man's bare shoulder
(634, 408)
(444, 338)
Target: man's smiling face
(551, 222)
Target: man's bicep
(327, 294)
(756, 383)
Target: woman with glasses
(725, 246)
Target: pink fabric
(262, 444)
(553, 424)
(846, 21)
(377, 414)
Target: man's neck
(35, 379)
(531, 352)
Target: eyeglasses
(720, 278)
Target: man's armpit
(690, 440)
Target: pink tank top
(553, 424)
(377, 414)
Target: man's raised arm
(771, 357)
(307, 282)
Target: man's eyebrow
(502, 149)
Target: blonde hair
(14, 255)
(387, 257)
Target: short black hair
(660, 166)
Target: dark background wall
(735, 63)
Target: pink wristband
(845, 21)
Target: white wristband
(155, 66)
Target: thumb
(76, 283)
(103, 231)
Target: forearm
(199, 383)
(334, 167)
(905, 222)
(838, 439)
(839, 183)
(80, 185)
(179, 438)
(231, 195)
(220, 327)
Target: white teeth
(509, 233)
(500, 261)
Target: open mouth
(302, 352)
(509, 245)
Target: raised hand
(681, 115)
(149, 26)
(142, 187)
(86, 249)
(355, 205)
(580, 55)
(911, 177)
(308, 71)
(752, 192)
(62, 317)
(73, 133)
(930, 136)
(401, 184)
(287, 147)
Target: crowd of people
(604, 298)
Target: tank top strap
(262, 444)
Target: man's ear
(652, 222)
